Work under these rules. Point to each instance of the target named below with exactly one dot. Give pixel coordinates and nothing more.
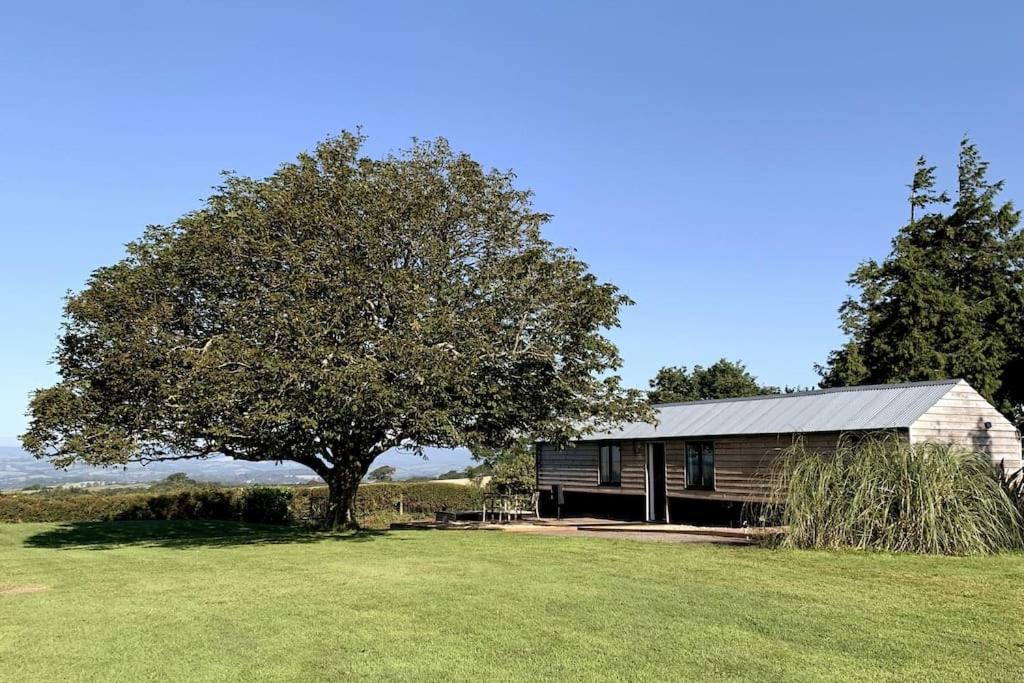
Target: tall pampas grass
(882, 493)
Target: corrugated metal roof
(879, 406)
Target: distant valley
(19, 470)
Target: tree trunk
(341, 498)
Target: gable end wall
(959, 417)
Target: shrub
(429, 498)
(53, 506)
(515, 471)
(273, 505)
(375, 499)
(883, 493)
(266, 505)
(1012, 483)
(197, 503)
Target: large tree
(341, 307)
(382, 473)
(948, 300)
(722, 379)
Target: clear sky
(727, 164)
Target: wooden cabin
(723, 450)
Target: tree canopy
(176, 480)
(514, 468)
(382, 473)
(338, 308)
(722, 379)
(948, 300)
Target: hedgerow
(252, 504)
(421, 498)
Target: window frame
(703, 479)
(617, 482)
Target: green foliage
(338, 308)
(1012, 483)
(47, 506)
(417, 498)
(382, 473)
(275, 505)
(514, 469)
(722, 379)
(191, 503)
(482, 469)
(203, 502)
(948, 301)
(265, 505)
(883, 493)
(176, 480)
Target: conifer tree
(948, 300)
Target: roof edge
(731, 435)
(815, 392)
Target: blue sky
(726, 164)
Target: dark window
(700, 465)
(611, 465)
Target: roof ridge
(814, 392)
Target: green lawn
(218, 601)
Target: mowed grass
(220, 601)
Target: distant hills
(18, 469)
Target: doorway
(657, 500)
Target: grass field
(218, 601)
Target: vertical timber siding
(959, 417)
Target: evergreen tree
(948, 300)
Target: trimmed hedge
(60, 507)
(192, 503)
(276, 505)
(257, 504)
(416, 499)
(266, 505)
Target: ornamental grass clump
(883, 493)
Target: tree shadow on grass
(182, 534)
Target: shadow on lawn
(182, 534)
